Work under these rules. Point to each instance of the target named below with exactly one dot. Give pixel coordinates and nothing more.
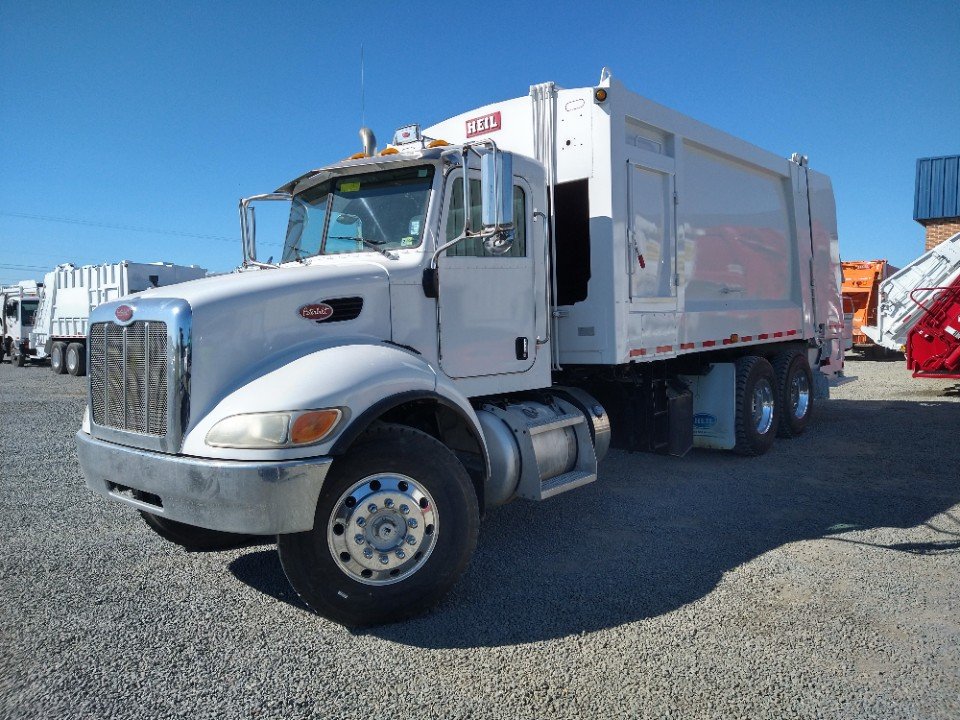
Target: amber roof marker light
(600, 95)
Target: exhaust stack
(369, 141)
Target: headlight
(264, 431)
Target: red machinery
(933, 345)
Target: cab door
(487, 303)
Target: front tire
(758, 410)
(194, 538)
(57, 360)
(395, 527)
(74, 360)
(17, 356)
(795, 392)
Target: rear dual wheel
(795, 388)
(58, 353)
(758, 410)
(75, 360)
(773, 400)
(395, 527)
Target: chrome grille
(128, 376)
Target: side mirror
(496, 201)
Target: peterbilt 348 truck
(426, 348)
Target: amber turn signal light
(313, 426)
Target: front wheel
(190, 537)
(395, 527)
(17, 356)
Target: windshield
(28, 310)
(379, 210)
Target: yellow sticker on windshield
(406, 242)
(349, 186)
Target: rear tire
(758, 410)
(57, 360)
(794, 392)
(194, 538)
(17, 356)
(396, 525)
(75, 360)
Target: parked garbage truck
(906, 296)
(60, 332)
(861, 289)
(19, 303)
(919, 312)
(472, 315)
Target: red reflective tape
(664, 348)
(709, 343)
(791, 332)
(746, 338)
(634, 353)
(687, 346)
(728, 341)
(778, 334)
(763, 336)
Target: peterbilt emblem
(123, 313)
(317, 312)
(483, 124)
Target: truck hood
(244, 322)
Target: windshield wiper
(373, 244)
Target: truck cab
(333, 392)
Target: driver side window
(473, 247)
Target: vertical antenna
(363, 108)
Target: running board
(567, 481)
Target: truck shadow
(656, 533)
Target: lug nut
(404, 509)
(384, 559)
(401, 554)
(367, 553)
(388, 502)
(360, 539)
(361, 522)
(411, 540)
(411, 522)
(371, 508)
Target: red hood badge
(123, 313)
(317, 312)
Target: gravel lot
(820, 581)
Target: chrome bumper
(259, 498)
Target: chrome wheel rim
(762, 406)
(799, 395)
(383, 529)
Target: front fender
(357, 378)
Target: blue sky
(129, 130)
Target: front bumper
(258, 498)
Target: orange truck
(861, 289)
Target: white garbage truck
(60, 331)
(473, 314)
(19, 304)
